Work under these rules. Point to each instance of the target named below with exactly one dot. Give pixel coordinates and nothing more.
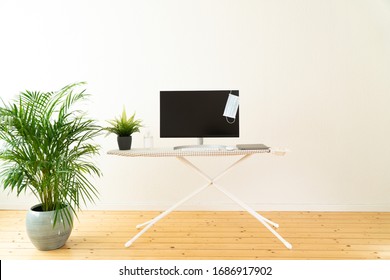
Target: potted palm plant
(47, 149)
(124, 127)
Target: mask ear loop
(229, 122)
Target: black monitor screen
(196, 114)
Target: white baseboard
(257, 207)
(224, 207)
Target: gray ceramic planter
(41, 232)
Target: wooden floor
(209, 235)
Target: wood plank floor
(209, 235)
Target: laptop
(252, 147)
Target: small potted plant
(48, 149)
(124, 127)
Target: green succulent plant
(124, 126)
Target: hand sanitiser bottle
(148, 140)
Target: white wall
(314, 76)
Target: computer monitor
(197, 114)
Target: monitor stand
(200, 146)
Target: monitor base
(200, 147)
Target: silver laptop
(252, 147)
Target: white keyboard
(205, 148)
